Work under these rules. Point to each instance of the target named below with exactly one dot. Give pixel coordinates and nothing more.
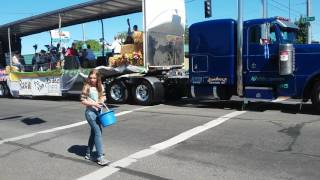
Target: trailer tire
(315, 95)
(117, 92)
(142, 93)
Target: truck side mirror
(265, 29)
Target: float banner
(16, 76)
(36, 83)
(42, 86)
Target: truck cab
(292, 72)
(261, 58)
(274, 64)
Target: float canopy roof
(77, 14)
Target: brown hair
(86, 86)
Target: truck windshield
(289, 35)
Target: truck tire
(4, 92)
(117, 92)
(142, 93)
(224, 93)
(315, 96)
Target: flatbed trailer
(162, 73)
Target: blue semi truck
(263, 61)
(272, 64)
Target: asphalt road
(188, 139)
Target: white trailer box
(164, 23)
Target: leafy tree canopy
(94, 44)
(302, 35)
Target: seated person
(42, 61)
(16, 61)
(35, 61)
(72, 51)
(90, 57)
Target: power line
(284, 10)
(277, 7)
(287, 7)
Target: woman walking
(92, 97)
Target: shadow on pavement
(251, 106)
(79, 150)
(33, 121)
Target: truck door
(262, 50)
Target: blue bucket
(107, 118)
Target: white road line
(125, 162)
(61, 127)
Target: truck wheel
(315, 96)
(224, 93)
(142, 93)
(3, 90)
(117, 92)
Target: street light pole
(264, 8)
(289, 10)
(309, 25)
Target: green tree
(302, 35)
(94, 44)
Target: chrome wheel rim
(116, 92)
(142, 93)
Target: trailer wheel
(142, 93)
(117, 92)
(315, 96)
(3, 90)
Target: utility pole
(309, 25)
(264, 9)
(289, 9)
(239, 50)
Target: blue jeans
(96, 132)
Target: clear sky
(17, 9)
